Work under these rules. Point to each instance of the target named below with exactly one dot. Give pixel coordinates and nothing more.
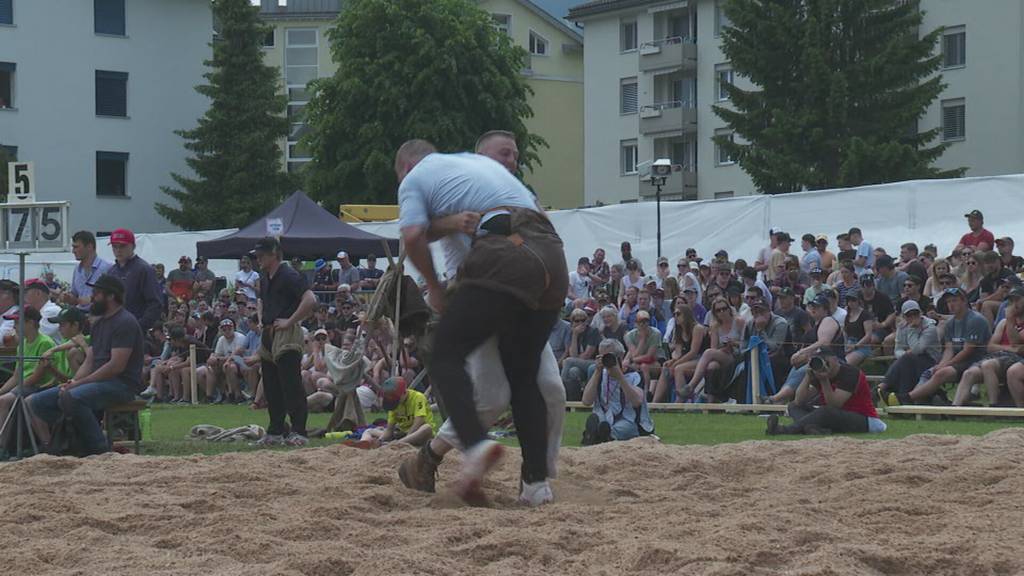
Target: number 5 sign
(21, 182)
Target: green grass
(171, 425)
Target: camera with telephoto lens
(609, 360)
(818, 364)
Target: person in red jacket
(833, 397)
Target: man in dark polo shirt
(287, 301)
(141, 291)
(110, 374)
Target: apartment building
(654, 69)
(91, 92)
(299, 46)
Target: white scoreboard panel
(34, 227)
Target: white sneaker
(148, 392)
(536, 494)
(476, 462)
(268, 441)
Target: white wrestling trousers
(492, 395)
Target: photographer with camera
(620, 406)
(832, 397)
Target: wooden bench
(919, 412)
(126, 417)
(704, 408)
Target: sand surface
(922, 505)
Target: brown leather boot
(419, 470)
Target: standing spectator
(287, 301)
(247, 280)
(811, 258)
(865, 258)
(205, 280)
(1010, 262)
(111, 373)
(369, 277)
(626, 250)
(600, 271)
(777, 263)
(182, 279)
(916, 350)
(828, 259)
(764, 256)
(37, 295)
(889, 281)
(662, 272)
(346, 273)
(964, 338)
(910, 261)
(141, 293)
(579, 354)
(579, 281)
(978, 238)
(323, 280)
(90, 267)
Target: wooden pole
(755, 375)
(396, 349)
(193, 373)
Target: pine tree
(433, 69)
(839, 88)
(237, 157)
(4, 159)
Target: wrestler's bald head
(410, 154)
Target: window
(722, 157)
(11, 152)
(721, 19)
(676, 26)
(628, 100)
(6, 11)
(727, 194)
(538, 45)
(628, 157)
(111, 93)
(7, 83)
(627, 36)
(268, 40)
(502, 23)
(111, 172)
(723, 76)
(953, 119)
(954, 47)
(108, 17)
(301, 66)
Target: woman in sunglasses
(971, 276)
(689, 340)
(726, 334)
(642, 345)
(932, 287)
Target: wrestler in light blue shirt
(445, 184)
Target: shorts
(960, 368)
(865, 351)
(1005, 359)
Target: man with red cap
(141, 291)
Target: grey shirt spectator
(891, 286)
(973, 329)
(559, 338)
(774, 334)
(348, 276)
(921, 340)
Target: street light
(661, 169)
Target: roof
(300, 9)
(553, 11)
(598, 6)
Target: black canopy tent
(306, 231)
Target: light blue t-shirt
(868, 252)
(811, 260)
(445, 184)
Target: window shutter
(629, 98)
(111, 93)
(6, 12)
(109, 17)
(953, 122)
(8, 66)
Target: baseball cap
(662, 260)
(821, 238)
(910, 306)
(227, 322)
(109, 284)
(786, 291)
(820, 300)
(590, 308)
(783, 237)
(1005, 240)
(392, 392)
(855, 295)
(815, 270)
(71, 314)
(1017, 292)
(867, 278)
(320, 332)
(122, 236)
(183, 259)
(955, 291)
(690, 289)
(650, 280)
(268, 244)
(974, 214)
(319, 264)
(694, 265)
(36, 283)
(721, 254)
(659, 292)
(202, 259)
(342, 254)
(10, 286)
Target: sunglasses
(971, 263)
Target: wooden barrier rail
(919, 412)
(705, 408)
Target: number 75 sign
(27, 225)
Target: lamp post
(660, 171)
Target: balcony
(679, 185)
(677, 116)
(674, 52)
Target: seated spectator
(226, 366)
(661, 309)
(629, 307)
(910, 261)
(1004, 348)
(642, 346)
(1009, 261)
(313, 365)
(579, 354)
(978, 238)
(790, 278)
(970, 277)
(559, 338)
(579, 281)
(410, 419)
(247, 280)
(827, 336)
(689, 340)
(842, 396)
(347, 318)
(847, 282)
(992, 289)
(618, 400)
(633, 279)
(600, 271)
(343, 294)
(175, 371)
(859, 328)
(726, 336)
(37, 295)
(370, 276)
(63, 361)
(963, 339)
(931, 285)
(776, 334)
(817, 285)
(750, 280)
(916, 349)
(611, 326)
(35, 377)
(799, 320)
(615, 284)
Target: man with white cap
(346, 273)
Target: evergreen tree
(839, 88)
(4, 159)
(433, 69)
(237, 158)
